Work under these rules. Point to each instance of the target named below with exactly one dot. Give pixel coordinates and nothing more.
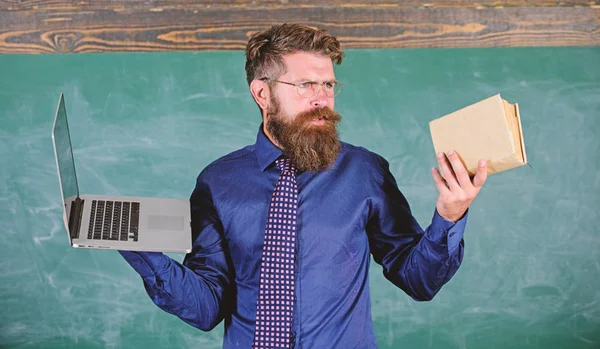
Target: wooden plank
(61, 5)
(46, 31)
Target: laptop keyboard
(114, 220)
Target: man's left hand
(456, 188)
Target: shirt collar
(266, 151)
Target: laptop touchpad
(157, 222)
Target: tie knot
(285, 165)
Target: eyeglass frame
(298, 87)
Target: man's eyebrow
(313, 80)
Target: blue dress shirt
(344, 215)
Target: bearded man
(283, 229)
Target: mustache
(324, 113)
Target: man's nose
(320, 100)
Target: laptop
(115, 222)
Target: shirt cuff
(443, 230)
(146, 263)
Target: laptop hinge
(75, 217)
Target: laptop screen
(64, 153)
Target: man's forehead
(308, 65)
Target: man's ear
(261, 93)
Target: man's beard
(310, 147)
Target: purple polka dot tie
(275, 305)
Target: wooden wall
(180, 25)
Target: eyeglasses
(309, 89)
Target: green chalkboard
(146, 124)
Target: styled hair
(265, 50)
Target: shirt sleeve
(196, 289)
(418, 261)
